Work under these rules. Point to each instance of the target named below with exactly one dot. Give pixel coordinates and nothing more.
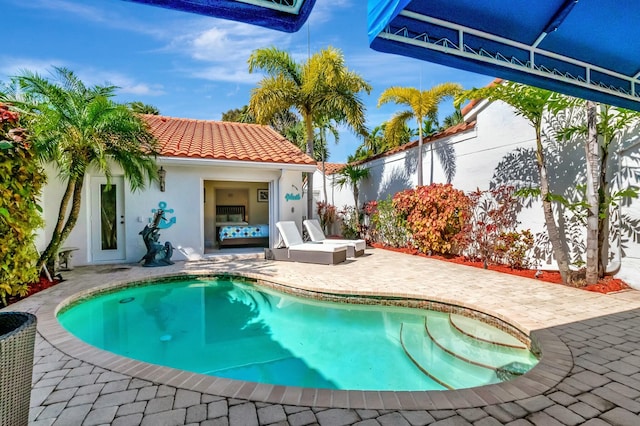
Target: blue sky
(194, 66)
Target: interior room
(236, 215)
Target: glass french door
(107, 219)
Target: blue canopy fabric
(584, 48)
(282, 15)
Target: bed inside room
(233, 229)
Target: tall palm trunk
(309, 126)
(420, 182)
(554, 234)
(324, 160)
(73, 194)
(593, 188)
(48, 255)
(356, 195)
(603, 210)
(324, 181)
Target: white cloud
(226, 74)
(221, 48)
(126, 84)
(11, 66)
(323, 11)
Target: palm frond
(275, 62)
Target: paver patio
(589, 372)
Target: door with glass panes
(107, 219)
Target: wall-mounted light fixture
(162, 177)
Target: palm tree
(323, 124)
(604, 131)
(422, 104)
(531, 103)
(77, 127)
(142, 108)
(351, 175)
(281, 122)
(454, 118)
(320, 87)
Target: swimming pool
(231, 328)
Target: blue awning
(283, 15)
(584, 48)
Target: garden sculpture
(157, 254)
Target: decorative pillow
(236, 218)
(221, 218)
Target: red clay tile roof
(450, 131)
(221, 140)
(331, 168)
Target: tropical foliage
(388, 226)
(491, 235)
(142, 108)
(76, 128)
(604, 130)
(327, 215)
(19, 209)
(532, 103)
(435, 216)
(321, 87)
(423, 104)
(351, 176)
(281, 122)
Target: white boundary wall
(479, 151)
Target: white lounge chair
(296, 250)
(355, 248)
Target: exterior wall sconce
(162, 176)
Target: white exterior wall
(336, 196)
(498, 132)
(184, 200)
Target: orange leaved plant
(435, 215)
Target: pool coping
(555, 363)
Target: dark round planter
(17, 341)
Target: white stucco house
(494, 146)
(215, 174)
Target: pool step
(484, 332)
(474, 351)
(440, 366)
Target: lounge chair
(355, 248)
(296, 250)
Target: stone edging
(555, 363)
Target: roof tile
(220, 140)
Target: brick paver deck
(589, 372)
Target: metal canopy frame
(288, 6)
(282, 15)
(407, 31)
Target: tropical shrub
(387, 226)
(20, 186)
(327, 214)
(513, 249)
(350, 222)
(435, 216)
(494, 213)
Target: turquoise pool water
(238, 330)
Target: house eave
(206, 162)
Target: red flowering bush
(435, 215)
(7, 116)
(370, 208)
